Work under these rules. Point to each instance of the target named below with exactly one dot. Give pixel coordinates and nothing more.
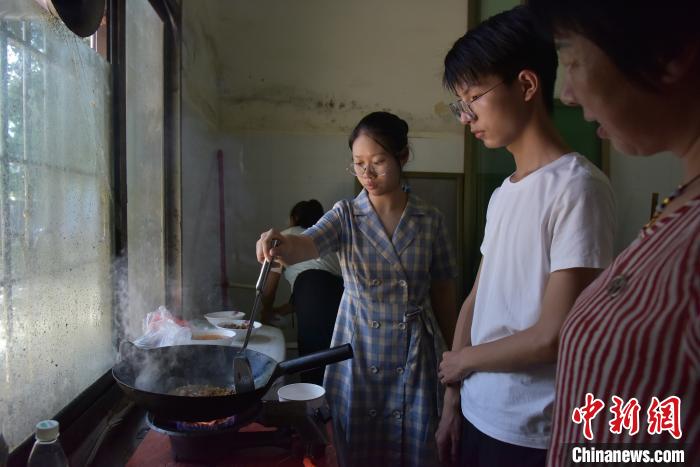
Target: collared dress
(386, 400)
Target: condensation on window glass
(55, 234)
(144, 161)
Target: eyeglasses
(461, 107)
(360, 169)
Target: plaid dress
(386, 400)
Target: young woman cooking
(398, 303)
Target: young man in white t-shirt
(549, 231)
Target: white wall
(634, 179)
(200, 142)
(200, 215)
(318, 66)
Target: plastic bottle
(47, 451)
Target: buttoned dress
(386, 400)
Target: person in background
(549, 232)
(316, 285)
(399, 302)
(629, 354)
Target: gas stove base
(252, 444)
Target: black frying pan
(147, 376)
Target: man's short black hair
(640, 37)
(503, 45)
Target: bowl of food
(238, 325)
(222, 316)
(213, 336)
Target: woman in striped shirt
(629, 353)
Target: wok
(147, 376)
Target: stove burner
(232, 423)
(213, 425)
(286, 425)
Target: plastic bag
(162, 329)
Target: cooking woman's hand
(453, 367)
(264, 250)
(291, 249)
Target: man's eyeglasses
(461, 107)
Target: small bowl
(212, 336)
(219, 316)
(237, 325)
(312, 394)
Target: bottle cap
(47, 430)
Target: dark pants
(479, 450)
(316, 297)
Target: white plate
(237, 325)
(212, 336)
(219, 316)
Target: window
(55, 228)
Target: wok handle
(316, 359)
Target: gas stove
(271, 433)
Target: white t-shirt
(329, 263)
(561, 216)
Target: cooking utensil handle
(259, 286)
(265, 271)
(316, 359)
(251, 321)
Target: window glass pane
(15, 28)
(55, 233)
(35, 36)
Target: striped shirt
(634, 333)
